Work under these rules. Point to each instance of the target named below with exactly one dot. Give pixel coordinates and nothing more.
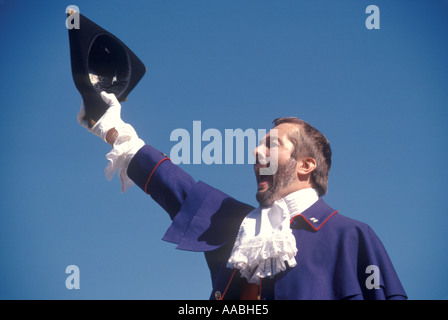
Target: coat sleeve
(379, 279)
(203, 218)
(157, 176)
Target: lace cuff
(125, 147)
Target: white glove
(110, 119)
(127, 142)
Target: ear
(306, 165)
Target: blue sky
(380, 96)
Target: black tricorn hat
(101, 62)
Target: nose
(261, 153)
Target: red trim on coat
(230, 280)
(228, 284)
(311, 225)
(152, 172)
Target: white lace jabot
(265, 240)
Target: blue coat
(338, 257)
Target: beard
(284, 176)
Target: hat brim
(101, 62)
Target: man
(293, 246)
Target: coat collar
(315, 216)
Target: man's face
(275, 186)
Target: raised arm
(157, 176)
(137, 162)
(204, 218)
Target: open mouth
(263, 181)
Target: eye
(273, 143)
(262, 142)
(269, 142)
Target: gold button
(217, 295)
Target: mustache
(265, 168)
(262, 163)
(258, 165)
